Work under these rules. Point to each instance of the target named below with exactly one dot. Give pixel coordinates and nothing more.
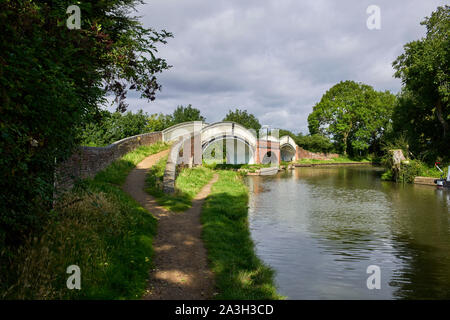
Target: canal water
(320, 228)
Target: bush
(98, 227)
(114, 127)
(315, 143)
(409, 170)
(52, 79)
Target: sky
(274, 58)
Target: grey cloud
(275, 58)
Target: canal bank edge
(239, 272)
(331, 164)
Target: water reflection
(320, 228)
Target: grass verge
(240, 274)
(98, 227)
(415, 168)
(117, 172)
(340, 159)
(188, 183)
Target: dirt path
(181, 266)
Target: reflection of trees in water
(425, 273)
(355, 217)
(421, 239)
(412, 219)
(351, 177)
(346, 214)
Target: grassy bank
(189, 182)
(97, 227)
(340, 159)
(415, 168)
(240, 274)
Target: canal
(320, 228)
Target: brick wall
(86, 162)
(305, 154)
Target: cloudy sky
(275, 58)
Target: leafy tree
(423, 111)
(114, 127)
(284, 132)
(352, 114)
(158, 122)
(244, 118)
(315, 143)
(183, 114)
(52, 80)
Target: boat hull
(268, 171)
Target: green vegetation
(239, 272)
(189, 182)
(415, 168)
(112, 127)
(53, 80)
(340, 159)
(244, 118)
(108, 127)
(118, 171)
(315, 143)
(96, 226)
(422, 113)
(355, 115)
(183, 114)
(420, 122)
(229, 166)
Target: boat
(270, 171)
(442, 182)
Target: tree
(284, 132)
(315, 143)
(158, 122)
(183, 114)
(52, 81)
(423, 112)
(352, 114)
(244, 118)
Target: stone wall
(86, 162)
(305, 154)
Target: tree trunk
(440, 117)
(345, 142)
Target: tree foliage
(244, 118)
(52, 80)
(110, 127)
(315, 143)
(354, 115)
(423, 111)
(114, 127)
(183, 114)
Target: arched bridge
(228, 142)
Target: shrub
(52, 79)
(315, 143)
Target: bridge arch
(236, 143)
(288, 149)
(232, 141)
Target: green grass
(118, 171)
(240, 274)
(98, 227)
(429, 171)
(228, 166)
(415, 168)
(189, 182)
(340, 159)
